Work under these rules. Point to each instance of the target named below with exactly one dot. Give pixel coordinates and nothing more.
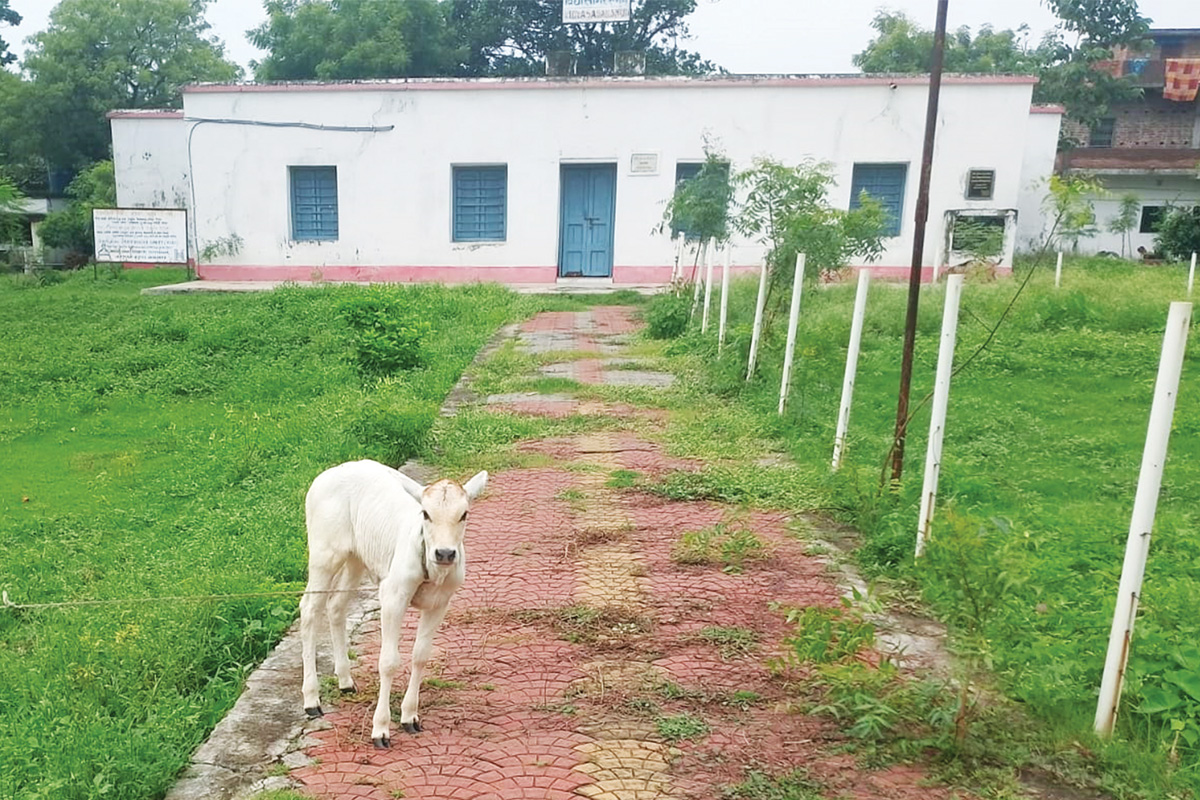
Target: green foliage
(826, 635)
(7, 17)
(1125, 220)
(902, 46)
(978, 236)
(700, 207)
(354, 39)
(719, 545)
(71, 229)
(387, 333)
(787, 209)
(759, 786)
(10, 206)
(95, 57)
(166, 444)
(667, 315)
(1179, 233)
(681, 726)
(732, 641)
(1069, 202)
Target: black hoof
(349, 690)
(314, 712)
(412, 727)
(382, 743)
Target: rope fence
(7, 603)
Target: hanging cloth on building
(1182, 79)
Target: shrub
(667, 315)
(387, 338)
(1179, 233)
(390, 431)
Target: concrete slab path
(581, 659)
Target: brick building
(1150, 147)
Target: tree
(356, 39)
(1067, 71)
(71, 229)
(97, 56)
(7, 17)
(1072, 210)
(1179, 233)
(11, 206)
(902, 46)
(353, 39)
(517, 36)
(1126, 219)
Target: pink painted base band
(622, 275)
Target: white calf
(364, 516)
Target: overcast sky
(745, 36)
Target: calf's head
(444, 507)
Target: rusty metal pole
(922, 217)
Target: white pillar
(760, 304)
(708, 259)
(941, 399)
(678, 258)
(1058, 271)
(700, 256)
(856, 327)
(1145, 503)
(724, 297)
(793, 322)
(1192, 275)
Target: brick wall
(1154, 122)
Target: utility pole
(922, 217)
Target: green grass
(678, 727)
(162, 446)
(1045, 434)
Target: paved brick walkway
(577, 633)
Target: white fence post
(678, 258)
(703, 254)
(941, 398)
(1192, 274)
(793, 321)
(724, 297)
(708, 261)
(1145, 504)
(760, 304)
(856, 328)
(1058, 271)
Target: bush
(387, 338)
(667, 315)
(1179, 234)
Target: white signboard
(643, 164)
(142, 235)
(596, 10)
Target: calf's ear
(412, 487)
(476, 485)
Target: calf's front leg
(394, 596)
(431, 620)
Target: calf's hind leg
(335, 608)
(311, 604)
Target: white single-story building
(538, 180)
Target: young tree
(7, 17)
(353, 39)
(71, 229)
(787, 209)
(699, 209)
(1069, 201)
(97, 56)
(1126, 219)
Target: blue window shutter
(480, 204)
(885, 183)
(314, 203)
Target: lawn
(1043, 444)
(161, 446)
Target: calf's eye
(464, 517)
(425, 514)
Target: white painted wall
(150, 159)
(1037, 164)
(394, 187)
(1152, 190)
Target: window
(480, 204)
(1102, 133)
(686, 171)
(981, 184)
(1152, 216)
(314, 203)
(885, 183)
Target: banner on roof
(142, 235)
(596, 11)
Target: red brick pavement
(520, 694)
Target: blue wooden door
(588, 211)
